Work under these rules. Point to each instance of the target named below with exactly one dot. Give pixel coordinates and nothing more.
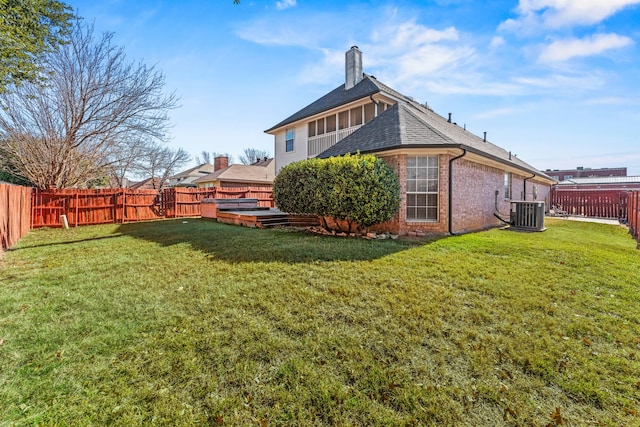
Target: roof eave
(469, 149)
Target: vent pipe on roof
(449, 118)
(353, 67)
(485, 137)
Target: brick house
(582, 172)
(260, 174)
(452, 180)
(186, 178)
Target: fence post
(77, 210)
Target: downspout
(464, 152)
(525, 186)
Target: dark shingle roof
(337, 97)
(411, 125)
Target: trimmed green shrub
(359, 189)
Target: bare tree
(252, 155)
(94, 106)
(129, 161)
(206, 158)
(210, 157)
(162, 162)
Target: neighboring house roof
(339, 96)
(147, 184)
(263, 162)
(197, 171)
(409, 124)
(242, 173)
(594, 180)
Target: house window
(422, 188)
(289, 140)
(331, 123)
(507, 185)
(343, 120)
(312, 128)
(320, 126)
(356, 116)
(369, 112)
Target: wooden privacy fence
(15, 205)
(633, 217)
(86, 207)
(592, 203)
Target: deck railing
(320, 143)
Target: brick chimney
(353, 67)
(220, 162)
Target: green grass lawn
(174, 323)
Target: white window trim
(437, 193)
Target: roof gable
(194, 171)
(337, 97)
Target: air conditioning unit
(527, 216)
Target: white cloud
(555, 82)
(326, 71)
(562, 50)
(285, 4)
(554, 14)
(408, 50)
(496, 42)
(610, 100)
(303, 32)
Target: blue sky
(555, 81)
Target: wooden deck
(265, 218)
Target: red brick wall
(399, 224)
(474, 197)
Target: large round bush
(359, 189)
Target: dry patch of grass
(201, 323)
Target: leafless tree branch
(92, 114)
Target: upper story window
(369, 112)
(507, 185)
(356, 116)
(345, 119)
(289, 140)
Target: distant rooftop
(592, 180)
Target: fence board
(15, 207)
(634, 215)
(592, 203)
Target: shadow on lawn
(66, 242)
(240, 244)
